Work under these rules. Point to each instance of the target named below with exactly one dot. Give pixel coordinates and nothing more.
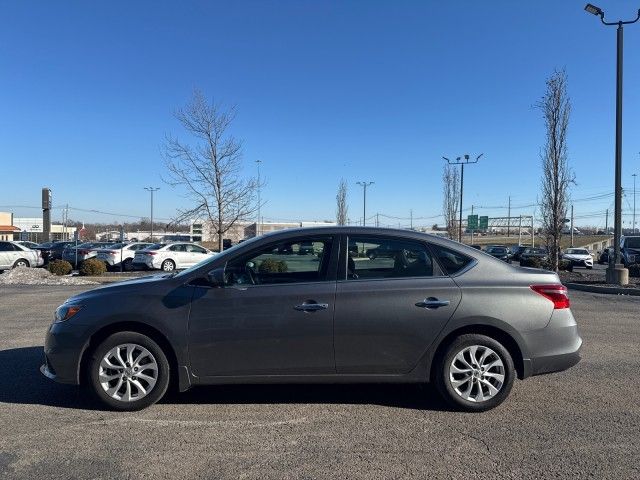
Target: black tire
(21, 262)
(589, 268)
(127, 265)
(168, 266)
(442, 373)
(161, 380)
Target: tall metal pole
(259, 200)
(572, 225)
(461, 190)
(633, 228)
(151, 190)
(364, 204)
(509, 218)
(617, 228)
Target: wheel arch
(498, 334)
(21, 258)
(130, 326)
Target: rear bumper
(555, 347)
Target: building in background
(32, 229)
(202, 231)
(7, 228)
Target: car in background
(630, 250)
(52, 250)
(120, 253)
(579, 257)
(441, 312)
(171, 256)
(516, 251)
(534, 253)
(383, 251)
(603, 259)
(499, 252)
(13, 255)
(27, 244)
(85, 251)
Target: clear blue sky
(365, 90)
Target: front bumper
(63, 348)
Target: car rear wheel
(129, 371)
(21, 262)
(475, 373)
(168, 266)
(128, 265)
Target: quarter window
(370, 258)
(451, 260)
(286, 262)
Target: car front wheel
(168, 266)
(129, 371)
(21, 262)
(475, 373)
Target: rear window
(157, 246)
(451, 260)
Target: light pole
(633, 228)
(258, 162)
(617, 227)
(364, 185)
(462, 162)
(151, 190)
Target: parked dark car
(630, 249)
(437, 312)
(516, 251)
(529, 253)
(501, 253)
(603, 259)
(52, 250)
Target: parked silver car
(171, 256)
(434, 311)
(85, 250)
(120, 253)
(13, 254)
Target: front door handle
(311, 307)
(432, 303)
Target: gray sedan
(433, 311)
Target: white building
(32, 229)
(201, 230)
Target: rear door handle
(311, 307)
(432, 303)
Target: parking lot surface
(583, 423)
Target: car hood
(577, 256)
(130, 286)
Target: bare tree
(556, 175)
(209, 167)
(451, 199)
(341, 203)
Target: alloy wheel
(128, 372)
(477, 373)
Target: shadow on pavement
(21, 382)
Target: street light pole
(151, 190)
(617, 227)
(462, 162)
(633, 228)
(364, 205)
(259, 200)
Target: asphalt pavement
(582, 423)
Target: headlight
(65, 312)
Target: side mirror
(216, 277)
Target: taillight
(83, 252)
(555, 292)
(149, 253)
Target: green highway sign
(484, 223)
(472, 222)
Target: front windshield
(496, 250)
(577, 251)
(632, 242)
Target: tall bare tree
(451, 199)
(209, 167)
(342, 209)
(556, 175)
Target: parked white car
(118, 253)
(13, 255)
(578, 257)
(171, 256)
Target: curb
(606, 290)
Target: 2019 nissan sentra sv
(434, 311)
